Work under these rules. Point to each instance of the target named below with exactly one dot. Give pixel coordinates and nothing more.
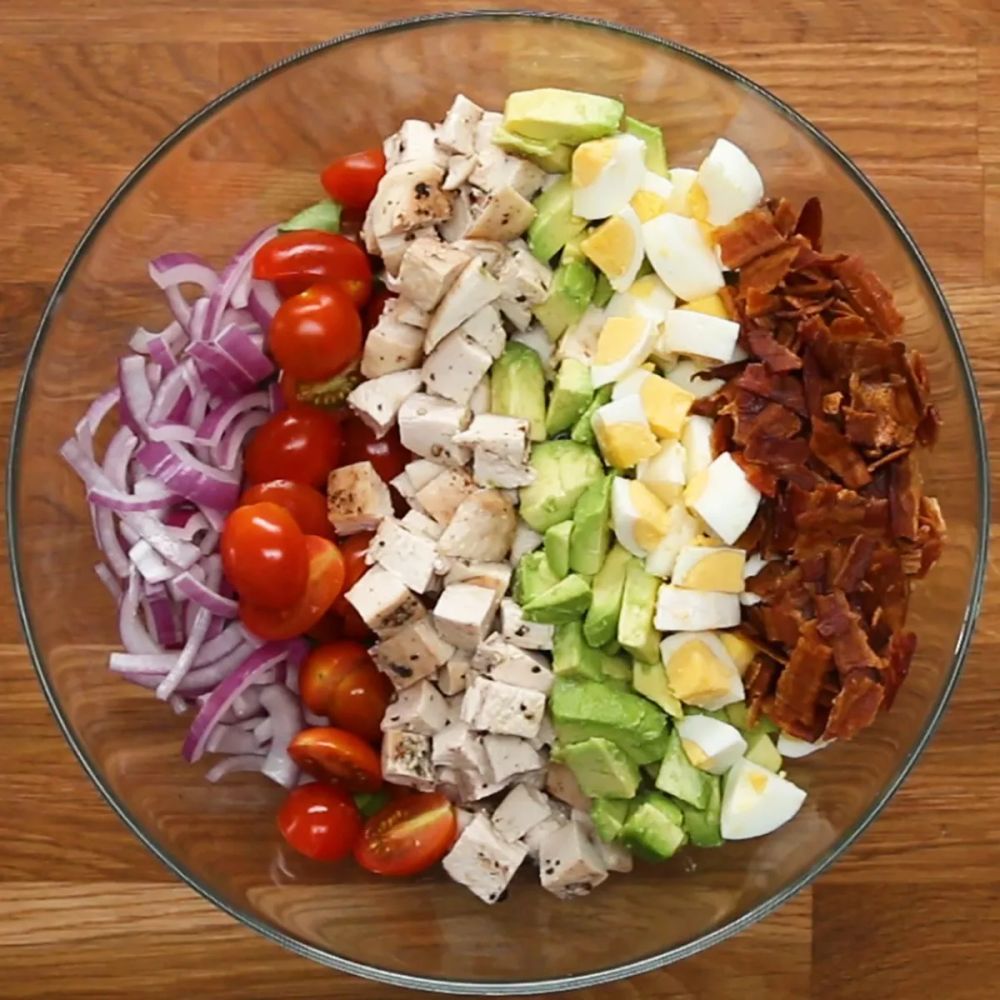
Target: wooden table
(911, 91)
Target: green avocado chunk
(554, 224)
(704, 826)
(601, 624)
(557, 115)
(569, 295)
(608, 816)
(761, 750)
(557, 547)
(616, 668)
(571, 392)
(517, 383)
(588, 543)
(650, 680)
(635, 623)
(654, 827)
(652, 136)
(680, 778)
(563, 470)
(565, 602)
(601, 767)
(533, 576)
(554, 157)
(572, 657)
(602, 291)
(583, 429)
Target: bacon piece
(833, 449)
(760, 303)
(765, 273)
(782, 622)
(872, 299)
(784, 389)
(784, 215)
(841, 628)
(810, 222)
(855, 707)
(759, 477)
(854, 566)
(776, 357)
(902, 646)
(747, 237)
(797, 693)
(904, 497)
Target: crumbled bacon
(823, 417)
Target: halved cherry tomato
(316, 334)
(298, 260)
(387, 454)
(326, 580)
(320, 821)
(353, 179)
(339, 756)
(353, 549)
(376, 305)
(306, 504)
(264, 555)
(324, 668)
(301, 445)
(410, 834)
(359, 701)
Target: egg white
(756, 802)
(720, 743)
(732, 184)
(681, 255)
(606, 173)
(635, 334)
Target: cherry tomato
(264, 555)
(387, 454)
(316, 334)
(306, 504)
(337, 755)
(353, 179)
(408, 835)
(301, 445)
(324, 668)
(376, 305)
(288, 386)
(359, 701)
(298, 260)
(326, 580)
(320, 821)
(353, 549)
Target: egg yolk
(625, 444)
(695, 673)
(611, 246)
(720, 570)
(759, 782)
(666, 405)
(710, 305)
(739, 649)
(695, 488)
(697, 202)
(619, 336)
(590, 160)
(652, 520)
(645, 288)
(648, 205)
(695, 754)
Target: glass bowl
(252, 157)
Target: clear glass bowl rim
(611, 973)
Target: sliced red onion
(161, 354)
(246, 350)
(285, 712)
(172, 270)
(240, 294)
(264, 729)
(230, 279)
(229, 739)
(108, 578)
(180, 471)
(199, 311)
(162, 615)
(171, 336)
(263, 302)
(230, 765)
(178, 704)
(201, 594)
(134, 636)
(212, 428)
(229, 452)
(219, 371)
(125, 502)
(151, 567)
(136, 393)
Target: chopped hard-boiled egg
(723, 498)
(615, 246)
(739, 649)
(680, 610)
(755, 801)
(793, 748)
(683, 374)
(606, 173)
(666, 404)
(638, 517)
(700, 671)
(710, 305)
(710, 744)
(732, 184)
(653, 197)
(623, 432)
(688, 332)
(687, 197)
(664, 472)
(682, 529)
(700, 567)
(647, 296)
(624, 343)
(696, 436)
(681, 255)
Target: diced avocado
(324, 215)
(612, 647)
(601, 623)
(573, 250)
(635, 623)
(601, 767)
(650, 680)
(583, 430)
(557, 547)
(555, 157)
(652, 136)
(554, 224)
(566, 601)
(569, 295)
(704, 825)
(761, 750)
(602, 291)
(588, 544)
(563, 470)
(581, 709)
(719, 714)
(571, 392)
(561, 115)
(517, 383)
(572, 657)
(680, 778)
(654, 828)
(533, 576)
(736, 715)
(608, 817)
(616, 668)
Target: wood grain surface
(910, 90)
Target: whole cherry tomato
(376, 306)
(352, 180)
(324, 668)
(316, 334)
(339, 756)
(305, 503)
(359, 701)
(320, 821)
(264, 555)
(408, 835)
(298, 260)
(301, 445)
(386, 454)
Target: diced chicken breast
(537, 835)
(391, 346)
(443, 495)
(520, 632)
(487, 125)
(411, 654)
(485, 328)
(580, 341)
(428, 269)
(392, 248)
(457, 131)
(474, 288)
(502, 215)
(481, 528)
(538, 340)
(494, 707)
(409, 196)
(421, 471)
(481, 397)
(457, 747)
(615, 857)
(490, 253)
(454, 674)
(357, 499)
(510, 756)
(452, 229)
(503, 661)
(561, 783)
(419, 709)
(464, 613)
(456, 367)
(384, 602)
(403, 485)
(413, 143)
(546, 738)
(521, 810)
(411, 557)
(496, 170)
(406, 759)
(500, 450)
(377, 401)
(483, 861)
(460, 169)
(524, 282)
(428, 425)
(488, 469)
(419, 523)
(569, 863)
(409, 312)
(525, 540)
(483, 574)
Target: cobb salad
(527, 498)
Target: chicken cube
(518, 631)
(409, 196)
(428, 269)
(500, 450)
(496, 170)
(378, 400)
(415, 142)
(510, 756)
(406, 759)
(615, 857)
(500, 708)
(419, 523)
(391, 346)
(392, 248)
(580, 341)
(460, 169)
(483, 861)
(455, 367)
(545, 738)
(422, 470)
(481, 397)
(537, 835)
(428, 425)
(456, 746)
(503, 661)
(454, 675)
(474, 288)
(486, 126)
(384, 602)
(419, 709)
(411, 557)
(538, 340)
(522, 810)
(502, 215)
(561, 783)
(443, 495)
(458, 130)
(403, 485)
(451, 229)
(570, 864)
(482, 527)
(412, 654)
(485, 328)
(483, 574)
(410, 313)
(357, 499)
(490, 253)
(524, 282)
(525, 540)
(464, 613)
